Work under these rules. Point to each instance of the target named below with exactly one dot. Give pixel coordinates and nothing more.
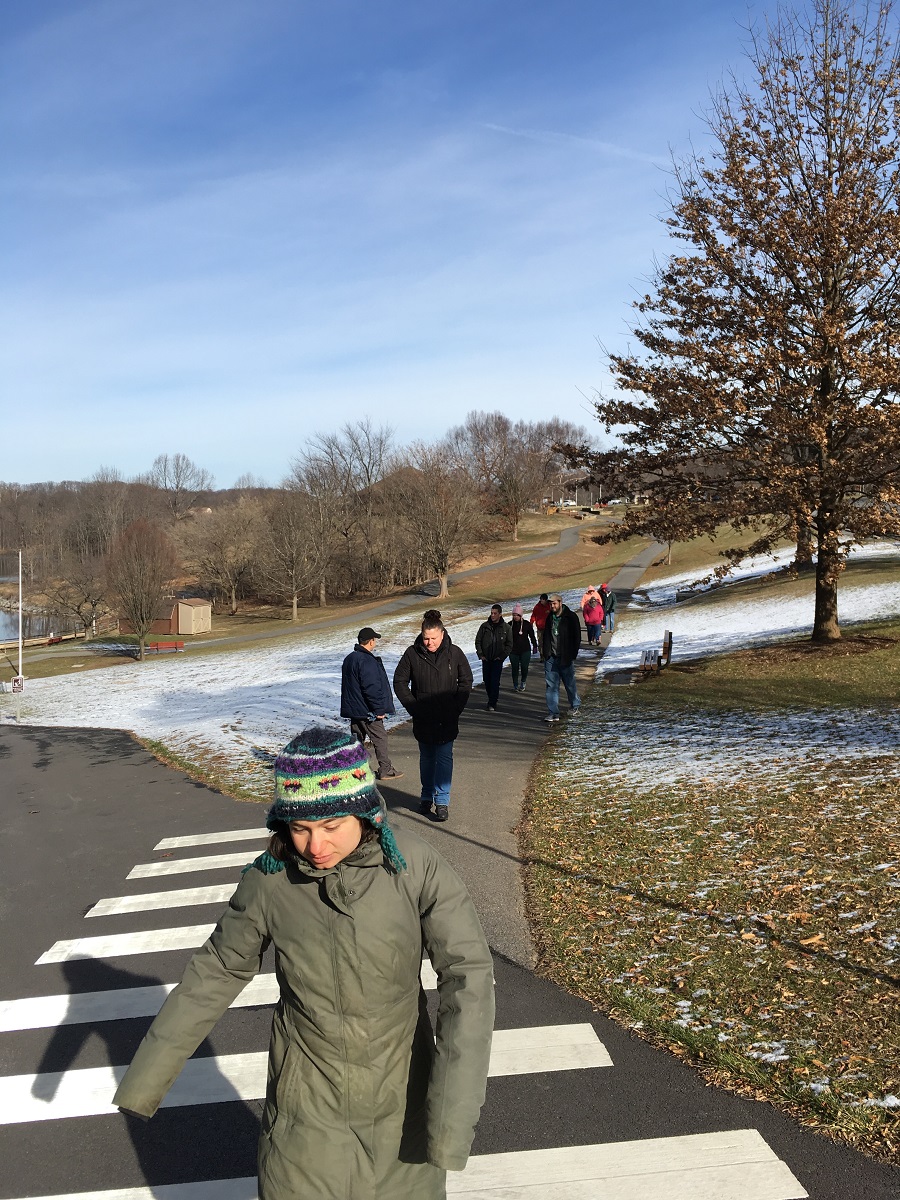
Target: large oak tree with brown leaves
(765, 391)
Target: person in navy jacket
(366, 698)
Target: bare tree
(437, 502)
(339, 472)
(183, 483)
(80, 588)
(139, 569)
(512, 461)
(226, 545)
(294, 559)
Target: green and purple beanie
(323, 773)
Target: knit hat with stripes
(323, 773)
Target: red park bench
(158, 646)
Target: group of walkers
(553, 632)
(598, 607)
(433, 681)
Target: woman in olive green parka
(363, 1101)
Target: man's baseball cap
(366, 635)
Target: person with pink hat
(524, 644)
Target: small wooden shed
(194, 616)
(178, 617)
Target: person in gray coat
(363, 1098)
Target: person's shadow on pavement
(184, 1144)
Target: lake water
(33, 625)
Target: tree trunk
(294, 616)
(233, 600)
(668, 554)
(515, 529)
(323, 602)
(806, 545)
(140, 649)
(826, 627)
(444, 590)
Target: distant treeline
(357, 515)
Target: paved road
(114, 867)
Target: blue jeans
(436, 771)
(611, 621)
(553, 673)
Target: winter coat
(609, 600)
(593, 610)
(365, 691)
(522, 634)
(539, 615)
(361, 1104)
(493, 641)
(434, 689)
(569, 637)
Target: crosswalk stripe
(87, 1092)
(116, 906)
(114, 945)
(735, 1165)
(79, 1008)
(179, 866)
(213, 839)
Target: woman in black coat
(433, 682)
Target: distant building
(178, 617)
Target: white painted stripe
(213, 839)
(547, 1048)
(114, 945)
(179, 866)
(88, 1092)
(122, 1004)
(214, 1189)
(736, 1165)
(44, 1012)
(116, 906)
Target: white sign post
(20, 679)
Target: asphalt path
(82, 807)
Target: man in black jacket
(493, 644)
(366, 699)
(433, 682)
(561, 643)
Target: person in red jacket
(594, 614)
(539, 615)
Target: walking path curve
(492, 761)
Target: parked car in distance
(569, 504)
(617, 502)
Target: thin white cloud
(552, 137)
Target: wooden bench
(54, 641)
(158, 646)
(653, 661)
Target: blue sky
(228, 224)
